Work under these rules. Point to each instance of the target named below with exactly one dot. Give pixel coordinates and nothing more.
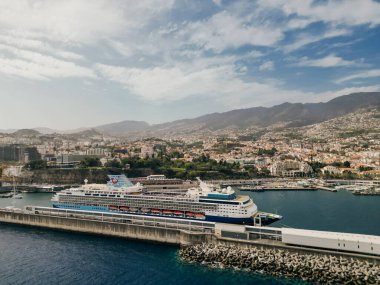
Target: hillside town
(344, 147)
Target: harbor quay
(330, 257)
(183, 232)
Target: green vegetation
(270, 152)
(346, 164)
(293, 135)
(317, 166)
(36, 164)
(203, 166)
(365, 168)
(90, 162)
(225, 147)
(113, 164)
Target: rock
(322, 269)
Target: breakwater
(318, 268)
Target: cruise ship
(205, 202)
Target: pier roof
(333, 235)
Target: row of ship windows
(162, 198)
(124, 201)
(151, 206)
(130, 197)
(120, 201)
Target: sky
(66, 64)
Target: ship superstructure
(206, 202)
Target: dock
(182, 232)
(262, 189)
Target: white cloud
(327, 61)
(349, 13)
(217, 2)
(222, 83)
(173, 83)
(364, 74)
(78, 21)
(34, 65)
(307, 39)
(18, 41)
(268, 65)
(225, 30)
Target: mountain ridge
(287, 114)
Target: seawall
(148, 233)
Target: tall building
(19, 153)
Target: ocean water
(38, 256)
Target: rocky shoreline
(316, 268)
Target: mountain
(290, 114)
(8, 131)
(122, 128)
(26, 133)
(85, 134)
(286, 114)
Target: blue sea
(38, 256)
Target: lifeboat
(124, 209)
(145, 210)
(113, 207)
(133, 209)
(155, 211)
(167, 212)
(199, 216)
(190, 214)
(178, 213)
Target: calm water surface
(38, 256)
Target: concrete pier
(153, 233)
(291, 253)
(188, 232)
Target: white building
(330, 169)
(146, 151)
(290, 168)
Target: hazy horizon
(72, 64)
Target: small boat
(199, 216)
(124, 209)
(167, 212)
(190, 214)
(155, 211)
(113, 207)
(178, 213)
(17, 196)
(145, 210)
(133, 209)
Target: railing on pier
(149, 221)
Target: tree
(269, 152)
(36, 164)
(113, 163)
(90, 162)
(317, 165)
(347, 164)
